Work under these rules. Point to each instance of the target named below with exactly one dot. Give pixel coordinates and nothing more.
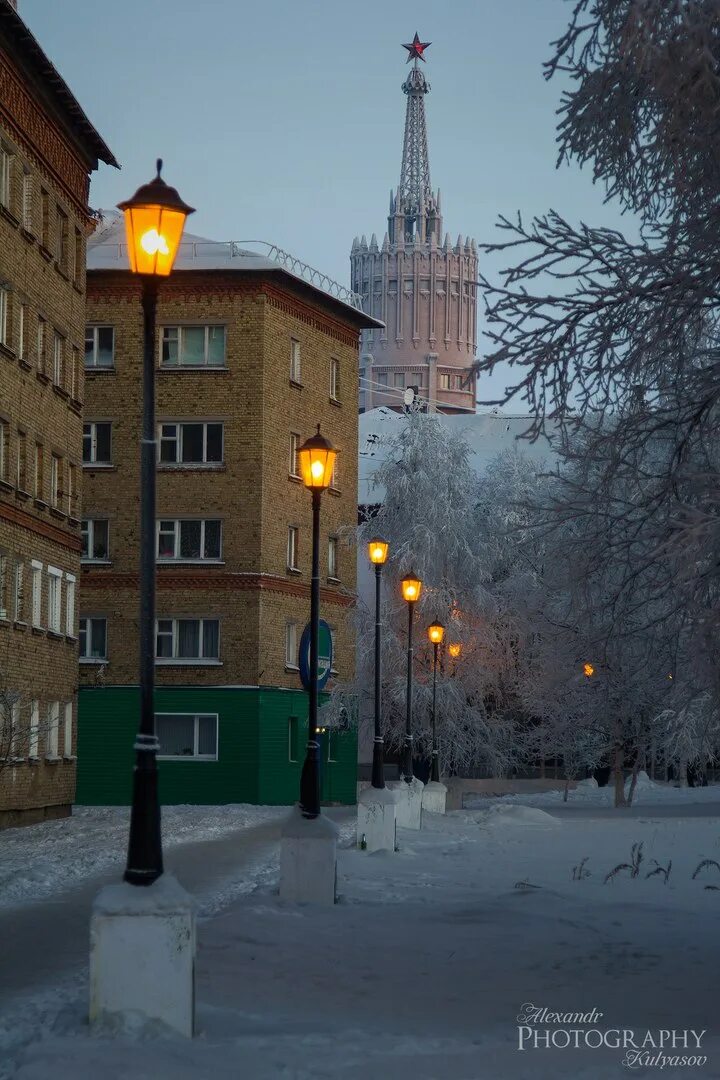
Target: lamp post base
(376, 814)
(142, 956)
(409, 803)
(308, 859)
(434, 797)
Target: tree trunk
(682, 773)
(565, 792)
(639, 760)
(619, 778)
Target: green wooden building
(228, 745)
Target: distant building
(418, 283)
(250, 358)
(48, 148)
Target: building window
(294, 462)
(41, 339)
(292, 547)
(58, 349)
(295, 360)
(99, 346)
(34, 729)
(191, 444)
(27, 202)
(334, 379)
(382, 378)
(21, 331)
(70, 605)
(39, 478)
(51, 741)
(79, 260)
(5, 177)
(334, 481)
(36, 593)
(333, 558)
(55, 469)
(399, 379)
(71, 489)
(93, 638)
(4, 569)
(4, 449)
(4, 308)
(74, 372)
(291, 646)
(187, 639)
(45, 219)
(63, 240)
(184, 735)
(19, 591)
(189, 539)
(68, 730)
(21, 462)
(292, 738)
(97, 443)
(95, 540)
(193, 346)
(54, 599)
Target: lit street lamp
(436, 633)
(317, 460)
(455, 650)
(378, 552)
(411, 589)
(154, 223)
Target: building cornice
(16, 516)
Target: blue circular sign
(325, 655)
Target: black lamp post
(317, 461)
(377, 552)
(411, 588)
(154, 222)
(436, 633)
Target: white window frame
(209, 661)
(70, 589)
(291, 645)
(27, 201)
(90, 532)
(14, 731)
(6, 159)
(55, 467)
(88, 658)
(52, 738)
(40, 343)
(4, 311)
(58, 355)
(92, 332)
(293, 536)
(195, 756)
(4, 449)
(54, 599)
(68, 730)
(334, 378)
(176, 534)
(19, 590)
(36, 613)
(333, 572)
(93, 425)
(180, 331)
(178, 439)
(295, 364)
(294, 460)
(21, 331)
(21, 462)
(4, 585)
(34, 735)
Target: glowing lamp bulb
(153, 242)
(588, 670)
(377, 554)
(411, 592)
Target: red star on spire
(416, 48)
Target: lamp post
(377, 553)
(411, 589)
(317, 461)
(154, 222)
(436, 632)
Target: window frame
(295, 361)
(4, 315)
(294, 460)
(90, 620)
(36, 569)
(180, 330)
(178, 439)
(187, 661)
(291, 637)
(6, 163)
(92, 334)
(177, 540)
(89, 532)
(333, 561)
(54, 599)
(70, 604)
(93, 462)
(334, 379)
(195, 756)
(293, 537)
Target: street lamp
(436, 633)
(411, 589)
(317, 461)
(377, 553)
(154, 222)
(455, 650)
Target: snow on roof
(487, 433)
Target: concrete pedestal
(142, 956)
(376, 819)
(434, 797)
(408, 809)
(308, 859)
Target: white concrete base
(142, 956)
(434, 797)
(308, 859)
(409, 803)
(376, 814)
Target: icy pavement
(424, 966)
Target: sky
(283, 121)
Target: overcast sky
(283, 120)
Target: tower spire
(416, 214)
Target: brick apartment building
(249, 359)
(48, 148)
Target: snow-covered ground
(433, 953)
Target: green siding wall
(253, 762)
